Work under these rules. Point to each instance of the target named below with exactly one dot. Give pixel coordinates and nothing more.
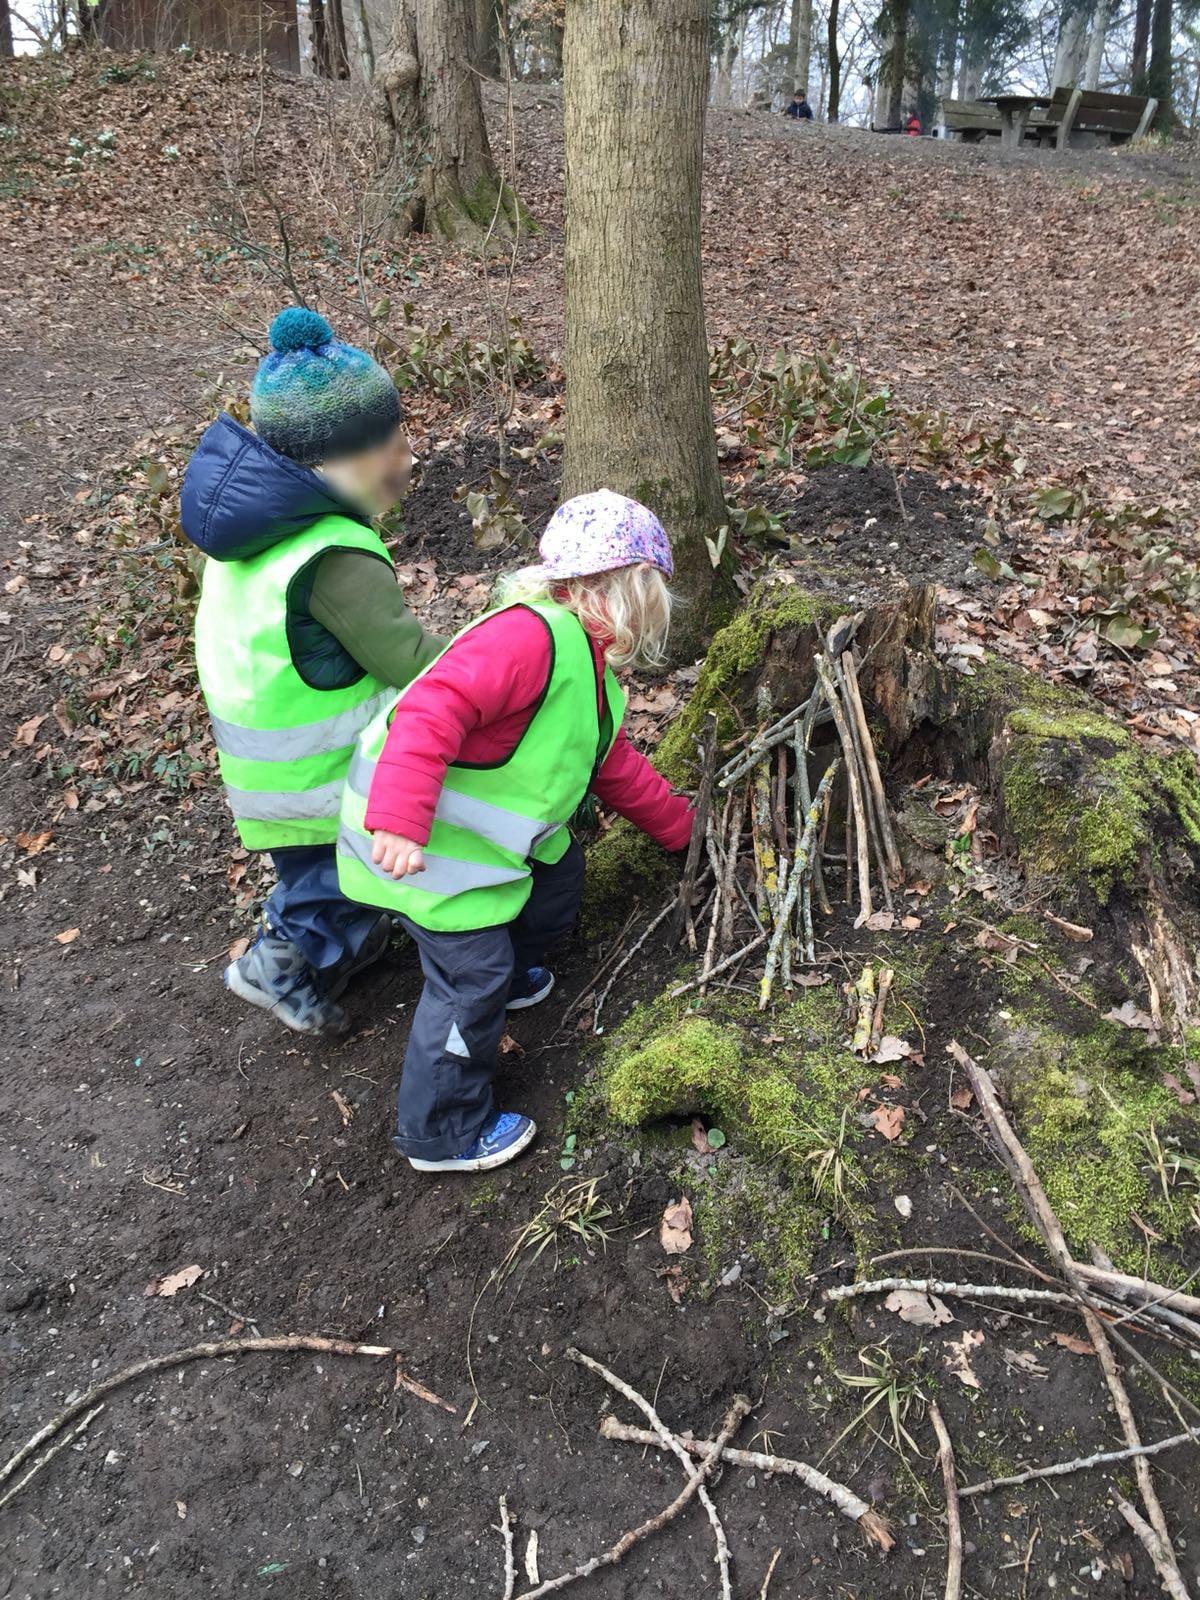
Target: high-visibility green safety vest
(284, 746)
(491, 820)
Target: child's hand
(396, 854)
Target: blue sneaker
(529, 988)
(502, 1139)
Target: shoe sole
(237, 985)
(498, 1158)
(531, 999)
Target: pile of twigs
(756, 869)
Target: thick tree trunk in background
(970, 76)
(485, 39)
(1095, 50)
(639, 412)
(1072, 47)
(1143, 11)
(800, 44)
(361, 28)
(835, 65)
(431, 101)
(1160, 72)
(723, 90)
(889, 102)
(6, 34)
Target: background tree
(893, 28)
(639, 413)
(6, 35)
(431, 102)
(835, 64)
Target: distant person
(799, 107)
(912, 126)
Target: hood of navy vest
(239, 497)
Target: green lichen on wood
(734, 657)
(1089, 1108)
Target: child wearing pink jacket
(456, 816)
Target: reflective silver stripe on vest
(508, 829)
(443, 875)
(285, 805)
(293, 744)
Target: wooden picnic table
(1015, 111)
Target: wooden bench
(971, 120)
(1115, 117)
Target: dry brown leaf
(1077, 1346)
(345, 1109)
(67, 936)
(27, 731)
(238, 949)
(961, 1098)
(891, 1048)
(699, 1136)
(959, 1359)
(924, 1310)
(173, 1282)
(33, 843)
(675, 1232)
(889, 1121)
(1129, 1016)
(510, 1047)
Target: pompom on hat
(314, 398)
(600, 531)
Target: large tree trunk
(485, 38)
(431, 101)
(1143, 11)
(639, 413)
(889, 102)
(6, 35)
(361, 28)
(800, 44)
(835, 65)
(1160, 72)
(1095, 50)
(1072, 47)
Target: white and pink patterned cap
(599, 532)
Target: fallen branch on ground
(667, 1441)
(1162, 1555)
(510, 1560)
(954, 1540)
(847, 1502)
(1060, 1469)
(721, 966)
(177, 1358)
(737, 1413)
(962, 1291)
(68, 1438)
(1037, 1204)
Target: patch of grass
(569, 1212)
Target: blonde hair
(630, 607)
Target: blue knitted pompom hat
(313, 398)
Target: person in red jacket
(912, 126)
(508, 730)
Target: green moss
(735, 656)
(1180, 779)
(1087, 1107)
(622, 865)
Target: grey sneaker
(333, 980)
(274, 976)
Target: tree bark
(1143, 11)
(431, 101)
(639, 411)
(1160, 71)
(361, 28)
(485, 39)
(835, 65)
(889, 102)
(800, 44)
(1095, 50)
(6, 34)
(1072, 47)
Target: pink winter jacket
(473, 705)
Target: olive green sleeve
(358, 599)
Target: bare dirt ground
(150, 1123)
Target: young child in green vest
(302, 635)
(457, 807)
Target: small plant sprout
(569, 1210)
(834, 1175)
(887, 1391)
